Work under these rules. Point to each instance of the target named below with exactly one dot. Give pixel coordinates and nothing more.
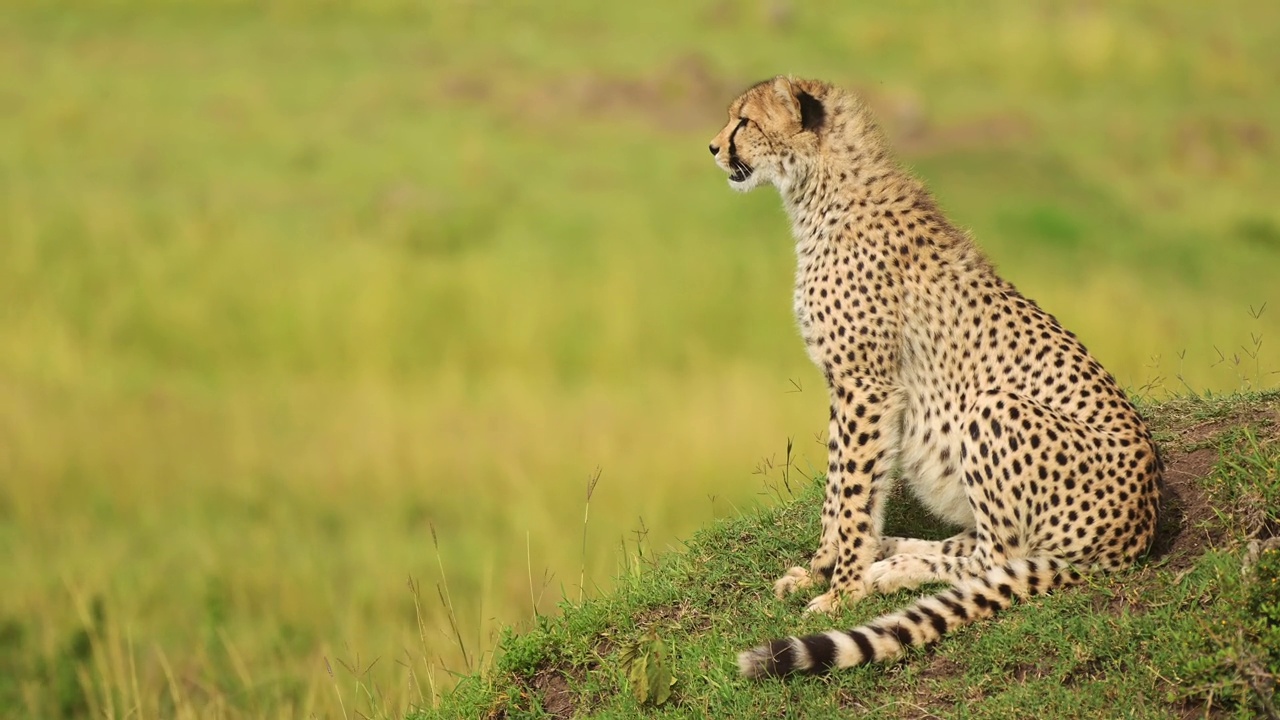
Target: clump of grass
(1249, 483)
(446, 600)
(592, 481)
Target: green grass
(1185, 633)
(285, 287)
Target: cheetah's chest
(829, 310)
(930, 454)
(809, 324)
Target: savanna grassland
(316, 319)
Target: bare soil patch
(1190, 449)
(690, 619)
(553, 690)
(1185, 529)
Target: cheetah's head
(772, 134)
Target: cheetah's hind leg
(908, 571)
(961, 545)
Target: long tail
(921, 623)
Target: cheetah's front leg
(863, 446)
(823, 561)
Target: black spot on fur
(956, 608)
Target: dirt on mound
(1185, 531)
(1192, 435)
(553, 689)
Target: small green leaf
(648, 670)
(639, 676)
(660, 682)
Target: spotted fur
(999, 419)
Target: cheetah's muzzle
(741, 170)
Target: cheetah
(995, 416)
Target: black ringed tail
(922, 623)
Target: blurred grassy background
(288, 288)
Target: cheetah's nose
(714, 150)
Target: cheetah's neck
(848, 195)
(846, 191)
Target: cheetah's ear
(786, 94)
(804, 108)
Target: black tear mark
(812, 114)
(733, 149)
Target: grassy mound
(1192, 631)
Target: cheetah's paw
(832, 600)
(796, 579)
(827, 603)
